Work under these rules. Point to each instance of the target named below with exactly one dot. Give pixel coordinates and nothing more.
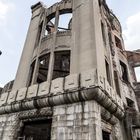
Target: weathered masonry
(74, 81)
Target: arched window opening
(65, 22)
(61, 64)
(43, 68)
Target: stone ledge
(74, 88)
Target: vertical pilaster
(21, 79)
(36, 68)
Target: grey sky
(15, 17)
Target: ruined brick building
(75, 82)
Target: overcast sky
(15, 17)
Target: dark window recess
(31, 73)
(105, 135)
(118, 42)
(39, 34)
(116, 80)
(43, 68)
(61, 64)
(130, 103)
(100, 2)
(124, 71)
(36, 130)
(107, 72)
(103, 32)
(110, 39)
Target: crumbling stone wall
(134, 61)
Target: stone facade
(75, 82)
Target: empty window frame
(43, 68)
(50, 27)
(137, 73)
(107, 72)
(117, 86)
(124, 71)
(65, 21)
(31, 73)
(105, 135)
(61, 64)
(118, 43)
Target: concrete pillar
(87, 48)
(36, 67)
(51, 62)
(25, 61)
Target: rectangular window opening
(137, 73)
(65, 21)
(31, 72)
(105, 135)
(116, 80)
(124, 71)
(61, 64)
(118, 42)
(50, 27)
(43, 68)
(108, 72)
